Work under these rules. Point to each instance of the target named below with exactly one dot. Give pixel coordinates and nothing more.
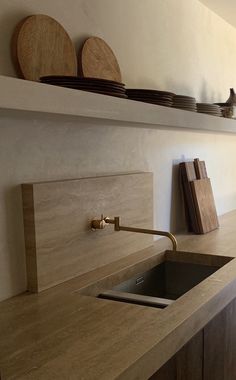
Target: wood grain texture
(200, 168)
(203, 170)
(40, 47)
(188, 174)
(204, 205)
(58, 217)
(187, 364)
(190, 171)
(197, 168)
(220, 345)
(97, 60)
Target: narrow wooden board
(40, 47)
(60, 244)
(190, 171)
(200, 168)
(188, 174)
(203, 170)
(205, 205)
(196, 164)
(97, 60)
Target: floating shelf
(21, 95)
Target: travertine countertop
(64, 334)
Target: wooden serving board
(188, 174)
(205, 205)
(97, 60)
(40, 47)
(200, 168)
(60, 244)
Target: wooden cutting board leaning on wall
(41, 47)
(97, 60)
(188, 174)
(198, 197)
(205, 205)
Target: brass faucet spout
(117, 227)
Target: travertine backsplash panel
(60, 244)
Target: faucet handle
(98, 224)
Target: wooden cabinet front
(210, 355)
(186, 364)
(220, 345)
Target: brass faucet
(99, 224)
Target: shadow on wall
(15, 239)
(8, 22)
(203, 95)
(177, 212)
(78, 43)
(179, 88)
(209, 96)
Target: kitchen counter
(63, 333)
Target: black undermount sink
(163, 284)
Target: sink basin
(161, 285)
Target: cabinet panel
(167, 371)
(220, 345)
(186, 364)
(210, 355)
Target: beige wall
(171, 44)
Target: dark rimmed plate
(215, 112)
(146, 91)
(149, 97)
(182, 106)
(50, 78)
(209, 107)
(79, 86)
(183, 97)
(103, 92)
(87, 85)
(185, 104)
(155, 98)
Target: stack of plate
(100, 86)
(210, 109)
(186, 103)
(227, 110)
(161, 98)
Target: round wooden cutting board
(41, 46)
(97, 60)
